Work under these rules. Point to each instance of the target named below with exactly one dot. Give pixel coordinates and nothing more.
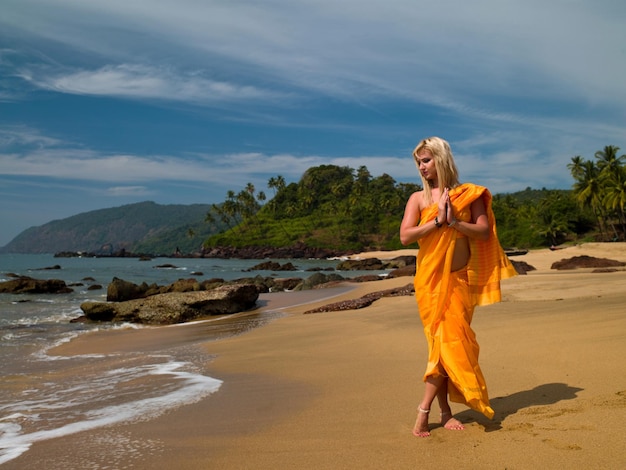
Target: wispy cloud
(142, 81)
(502, 170)
(343, 49)
(124, 191)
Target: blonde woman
(459, 265)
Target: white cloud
(125, 191)
(141, 81)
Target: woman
(459, 265)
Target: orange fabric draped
(446, 299)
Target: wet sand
(339, 390)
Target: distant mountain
(144, 227)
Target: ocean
(43, 396)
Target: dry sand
(339, 390)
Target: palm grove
(349, 209)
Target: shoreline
(339, 389)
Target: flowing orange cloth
(446, 299)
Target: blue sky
(105, 103)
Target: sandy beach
(339, 390)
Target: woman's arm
(410, 232)
(479, 226)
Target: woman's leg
(447, 420)
(431, 390)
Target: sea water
(43, 396)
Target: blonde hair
(447, 173)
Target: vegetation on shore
(347, 209)
(339, 209)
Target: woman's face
(426, 165)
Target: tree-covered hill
(144, 227)
(345, 209)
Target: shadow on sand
(547, 394)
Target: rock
(28, 285)
(318, 279)
(283, 284)
(272, 266)
(522, 267)
(367, 278)
(515, 251)
(364, 301)
(175, 307)
(120, 290)
(408, 270)
(94, 287)
(585, 261)
(361, 265)
(99, 311)
(212, 283)
(49, 268)
(182, 285)
(402, 261)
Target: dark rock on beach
(120, 290)
(404, 271)
(29, 285)
(364, 301)
(175, 307)
(585, 261)
(522, 267)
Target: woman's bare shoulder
(417, 199)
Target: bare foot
(450, 422)
(421, 428)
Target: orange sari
(446, 299)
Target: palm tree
(611, 170)
(615, 197)
(589, 190)
(608, 161)
(277, 184)
(577, 166)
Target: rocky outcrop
(29, 285)
(367, 264)
(272, 266)
(375, 264)
(174, 307)
(364, 301)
